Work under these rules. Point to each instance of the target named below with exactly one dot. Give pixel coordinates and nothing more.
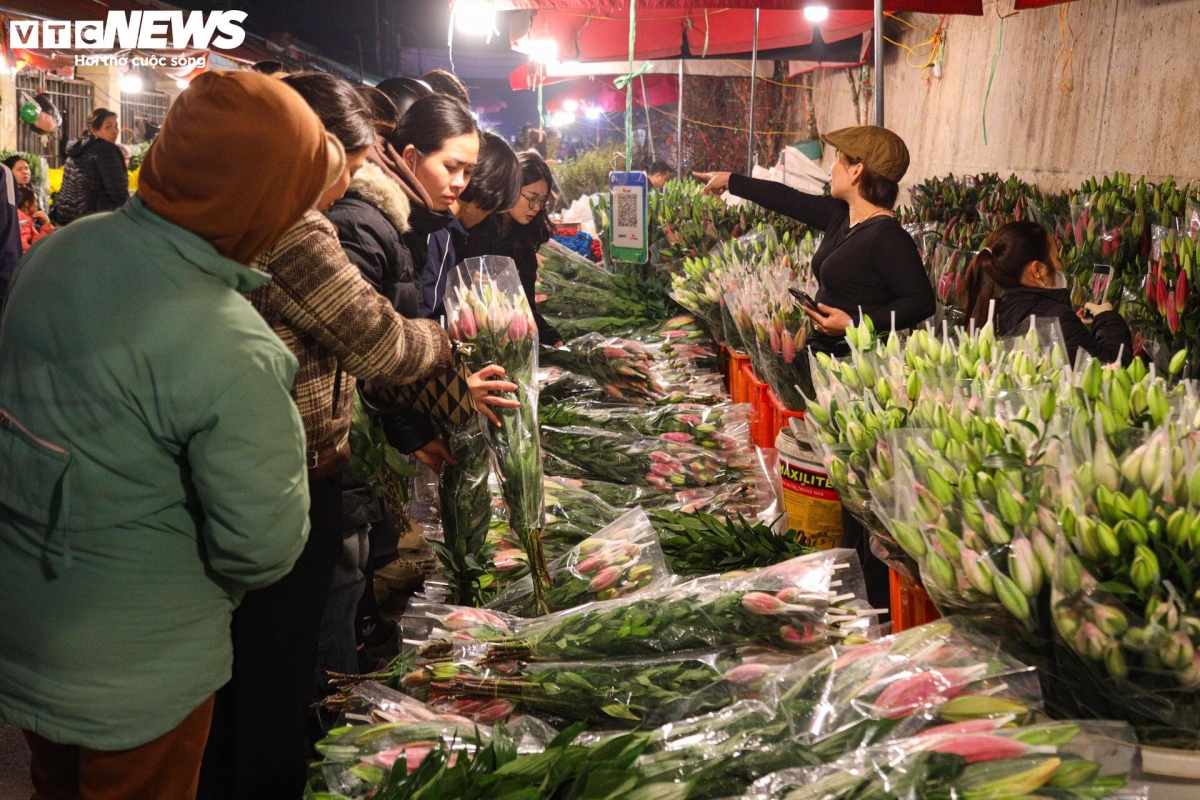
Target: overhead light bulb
(131, 84)
(180, 83)
(816, 13)
(592, 113)
(571, 105)
(543, 51)
(562, 119)
(474, 17)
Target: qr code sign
(628, 206)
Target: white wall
(1135, 105)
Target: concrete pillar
(106, 86)
(8, 112)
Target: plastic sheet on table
(797, 605)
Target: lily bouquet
(487, 308)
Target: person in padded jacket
(95, 178)
(519, 232)
(399, 198)
(1019, 269)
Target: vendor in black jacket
(867, 263)
(1019, 269)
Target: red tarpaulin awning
(669, 33)
(621, 7)
(600, 93)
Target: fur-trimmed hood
(373, 186)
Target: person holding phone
(1019, 269)
(867, 263)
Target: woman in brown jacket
(341, 330)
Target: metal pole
(879, 62)
(753, 77)
(679, 124)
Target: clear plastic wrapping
(643, 460)
(617, 561)
(632, 692)
(487, 308)
(465, 505)
(1062, 759)
(797, 605)
(623, 367)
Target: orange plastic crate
(782, 416)
(763, 415)
(911, 606)
(739, 387)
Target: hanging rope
(629, 86)
(991, 75)
(1066, 82)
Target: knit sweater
(339, 328)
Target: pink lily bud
(793, 595)
(961, 728)
(1091, 641)
(613, 352)
(467, 705)
(797, 636)
(1023, 567)
(762, 603)
(494, 711)
(657, 481)
(517, 329)
(467, 321)
(748, 674)
(980, 747)
(689, 419)
(789, 350)
(659, 457)
(678, 436)
(904, 696)
(858, 652)
(605, 579)
(592, 564)
(775, 343)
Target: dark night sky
(336, 27)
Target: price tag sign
(627, 202)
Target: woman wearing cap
(340, 329)
(867, 263)
(151, 457)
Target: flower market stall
(682, 641)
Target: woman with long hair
(399, 199)
(1018, 270)
(520, 232)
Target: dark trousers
(259, 746)
(855, 537)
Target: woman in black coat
(519, 233)
(1018, 269)
(867, 263)
(395, 203)
(95, 178)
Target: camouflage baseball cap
(880, 150)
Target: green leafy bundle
(703, 544)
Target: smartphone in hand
(804, 297)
